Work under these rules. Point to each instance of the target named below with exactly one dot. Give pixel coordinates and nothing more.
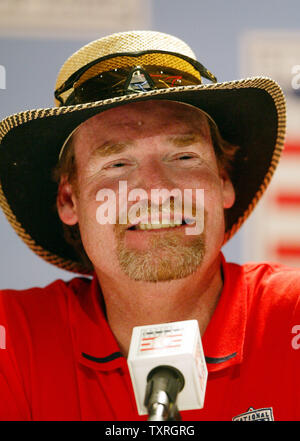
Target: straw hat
(249, 113)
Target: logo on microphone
(264, 414)
(161, 339)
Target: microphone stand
(163, 385)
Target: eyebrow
(113, 148)
(185, 140)
(110, 148)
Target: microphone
(163, 385)
(167, 369)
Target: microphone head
(174, 345)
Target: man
(133, 111)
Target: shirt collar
(95, 344)
(223, 340)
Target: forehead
(142, 119)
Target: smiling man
(132, 109)
(149, 153)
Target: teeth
(155, 226)
(189, 221)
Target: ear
(66, 202)
(227, 189)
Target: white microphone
(164, 361)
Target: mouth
(158, 226)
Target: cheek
(207, 180)
(98, 239)
(90, 228)
(211, 184)
(89, 188)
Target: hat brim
(249, 113)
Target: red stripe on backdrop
(284, 250)
(291, 148)
(287, 199)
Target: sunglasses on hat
(121, 74)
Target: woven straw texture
(132, 41)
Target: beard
(168, 257)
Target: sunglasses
(119, 74)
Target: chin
(164, 262)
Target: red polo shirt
(62, 362)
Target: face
(150, 146)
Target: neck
(130, 303)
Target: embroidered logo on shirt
(264, 414)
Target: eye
(118, 164)
(183, 157)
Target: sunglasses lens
(118, 82)
(101, 87)
(165, 78)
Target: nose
(154, 175)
